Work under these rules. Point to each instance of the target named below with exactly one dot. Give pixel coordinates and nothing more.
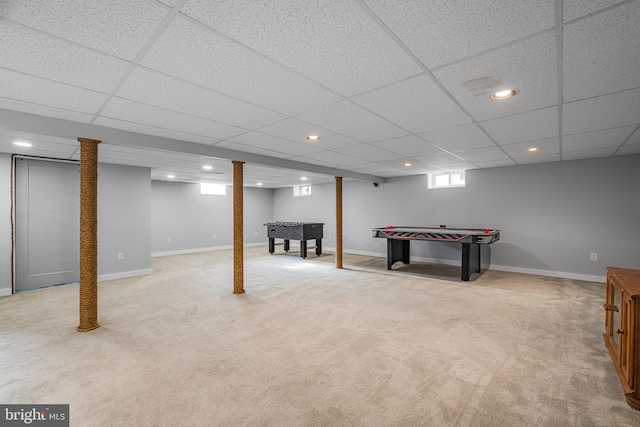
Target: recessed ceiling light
(406, 165)
(22, 144)
(303, 178)
(504, 94)
(533, 149)
(313, 137)
(171, 176)
(259, 183)
(207, 167)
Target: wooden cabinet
(622, 324)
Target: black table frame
(399, 250)
(399, 238)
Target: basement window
(213, 189)
(447, 180)
(301, 190)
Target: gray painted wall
(123, 221)
(189, 219)
(551, 215)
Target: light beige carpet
(310, 345)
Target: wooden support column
(238, 226)
(88, 234)
(338, 222)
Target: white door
(47, 210)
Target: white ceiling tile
(408, 146)
(249, 149)
(142, 159)
(412, 163)
(18, 86)
(573, 9)
(368, 152)
(488, 154)
(350, 119)
(495, 163)
(602, 53)
(597, 139)
(162, 172)
(314, 161)
(170, 3)
(265, 62)
(31, 52)
(528, 65)
(445, 31)
(332, 42)
(11, 135)
(331, 158)
(588, 154)
(441, 160)
(38, 148)
(372, 168)
(417, 104)
(197, 162)
(43, 110)
(519, 150)
(529, 126)
(542, 158)
(136, 112)
(153, 88)
(152, 130)
(635, 137)
(278, 145)
(129, 162)
(628, 149)
(193, 53)
(297, 131)
(602, 112)
(118, 27)
(465, 137)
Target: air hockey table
(399, 238)
(301, 231)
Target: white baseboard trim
(124, 274)
(5, 292)
(549, 273)
(196, 250)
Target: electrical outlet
(214, 236)
(329, 236)
(120, 256)
(594, 256)
(255, 234)
(168, 239)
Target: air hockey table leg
(397, 250)
(466, 255)
(466, 260)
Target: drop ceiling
(176, 85)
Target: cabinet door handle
(607, 306)
(615, 308)
(619, 331)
